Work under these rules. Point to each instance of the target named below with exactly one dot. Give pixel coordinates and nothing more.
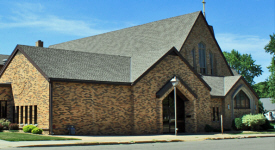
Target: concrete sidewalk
(104, 140)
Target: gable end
(173, 51)
(19, 49)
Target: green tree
(270, 48)
(244, 65)
(261, 89)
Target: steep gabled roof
(55, 64)
(145, 44)
(220, 86)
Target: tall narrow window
(211, 56)
(218, 115)
(30, 115)
(35, 114)
(17, 114)
(202, 59)
(194, 59)
(13, 114)
(214, 114)
(21, 115)
(3, 109)
(26, 114)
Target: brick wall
(216, 103)
(95, 109)
(5, 93)
(200, 33)
(29, 88)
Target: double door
(169, 114)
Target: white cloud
(243, 43)
(249, 44)
(34, 16)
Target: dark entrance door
(169, 113)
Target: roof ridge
(73, 51)
(198, 12)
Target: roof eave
(88, 81)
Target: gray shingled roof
(267, 104)
(145, 44)
(68, 64)
(220, 86)
(235, 73)
(3, 57)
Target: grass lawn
(13, 136)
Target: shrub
(5, 123)
(266, 125)
(238, 123)
(1, 127)
(37, 131)
(208, 128)
(13, 126)
(28, 128)
(253, 121)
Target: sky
(243, 25)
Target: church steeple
(203, 2)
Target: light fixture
(175, 82)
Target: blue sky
(244, 25)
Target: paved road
(231, 144)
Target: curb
(239, 137)
(103, 143)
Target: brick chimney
(39, 43)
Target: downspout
(50, 109)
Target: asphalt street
(229, 144)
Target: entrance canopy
(184, 89)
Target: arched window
(202, 59)
(241, 100)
